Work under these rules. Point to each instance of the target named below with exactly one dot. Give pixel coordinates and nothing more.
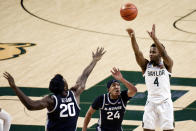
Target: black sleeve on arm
(124, 96)
(98, 102)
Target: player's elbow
(135, 90)
(132, 92)
(33, 108)
(29, 107)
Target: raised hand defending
(116, 74)
(99, 53)
(10, 79)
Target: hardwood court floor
(41, 38)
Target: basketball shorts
(158, 115)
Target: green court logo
(12, 50)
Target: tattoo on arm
(80, 84)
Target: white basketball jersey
(157, 80)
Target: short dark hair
(57, 84)
(154, 45)
(110, 82)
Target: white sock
(6, 120)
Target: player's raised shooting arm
(166, 58)
(27, 102)
(87, 118)
(142, 62)
(132, 90)
(80, 83)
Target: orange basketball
(128, 11)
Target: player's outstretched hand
(130, 32)
(99, 53)
(116, 73)
(10, 79)
(152, 33)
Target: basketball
(128, 11)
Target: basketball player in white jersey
(158, 111)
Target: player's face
(154, 54)
(115, 89)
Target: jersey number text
(156, 81)
(67, 110)
(112, 115)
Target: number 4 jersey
(65, 114)
(111, 111)
(157, 80)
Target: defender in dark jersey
(111, 105)
(65, 113)
(63, 105)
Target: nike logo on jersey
(156, 73)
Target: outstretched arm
(166, 58)
(88, 118)
(142, 62)
(132, 90)
(46, 102)
(80, 83)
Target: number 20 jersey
(157, 80)
(65, 114)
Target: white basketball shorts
(158, 115)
